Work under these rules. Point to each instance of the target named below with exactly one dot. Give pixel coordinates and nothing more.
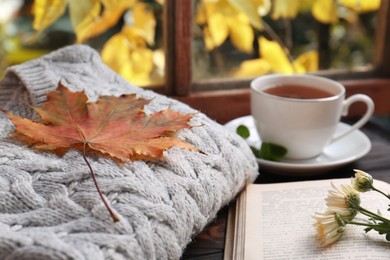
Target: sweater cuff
(33, 75)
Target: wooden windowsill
(225, 105)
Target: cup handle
(346, 104)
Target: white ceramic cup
(303, 126)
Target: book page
(279, 223)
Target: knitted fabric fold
(49, 207)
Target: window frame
(212, 96)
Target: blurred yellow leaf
(362, 6)
(108, 19)
(251, 10)
(305, 5)
(115, 3)
(46, 12)
(325, 11)
(273, 53)
(113, 11)
(144, 19)
(285, 9)
(274, 60)
(142, 60)
(126, 53)
(218, 29)
(307, 62)
(115, 52)
(264, 8)
(83, 15)
(241, 34)
(138, 67)
(223, 20)
(252, 68)
(134, 36)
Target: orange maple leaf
(113, 126)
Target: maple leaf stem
(114, 217)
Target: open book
(274, 221)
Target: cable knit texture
(49, 207)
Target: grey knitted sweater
(49, 208)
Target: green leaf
(256, 152)
(383, 228)
(243, 131)
(368, 229)
(272, 152)
(267, 151)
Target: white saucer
(346, 150)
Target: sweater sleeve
(78, 66)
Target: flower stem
(114, 217)
(381, 192)
(360, 223)
(373, 215)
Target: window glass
(246, 38)
(127, 33)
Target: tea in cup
(301, 112)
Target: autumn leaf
(115, 127)
(222, 20)
(285, 9)
(145, 20)
(83, 15)
(252, 68)
(241, 34)
(217, 30)
(253, 9)
(126, 53)
(274, 59)
(273, 52)
(307, 62)
(86, 16)
(47, 12)
(362, 6)
(113, 11)
(325, 11)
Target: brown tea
(298, 91)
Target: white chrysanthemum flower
(344, 201)
(362, 181)
(329, 228)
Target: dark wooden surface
(209, 245)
